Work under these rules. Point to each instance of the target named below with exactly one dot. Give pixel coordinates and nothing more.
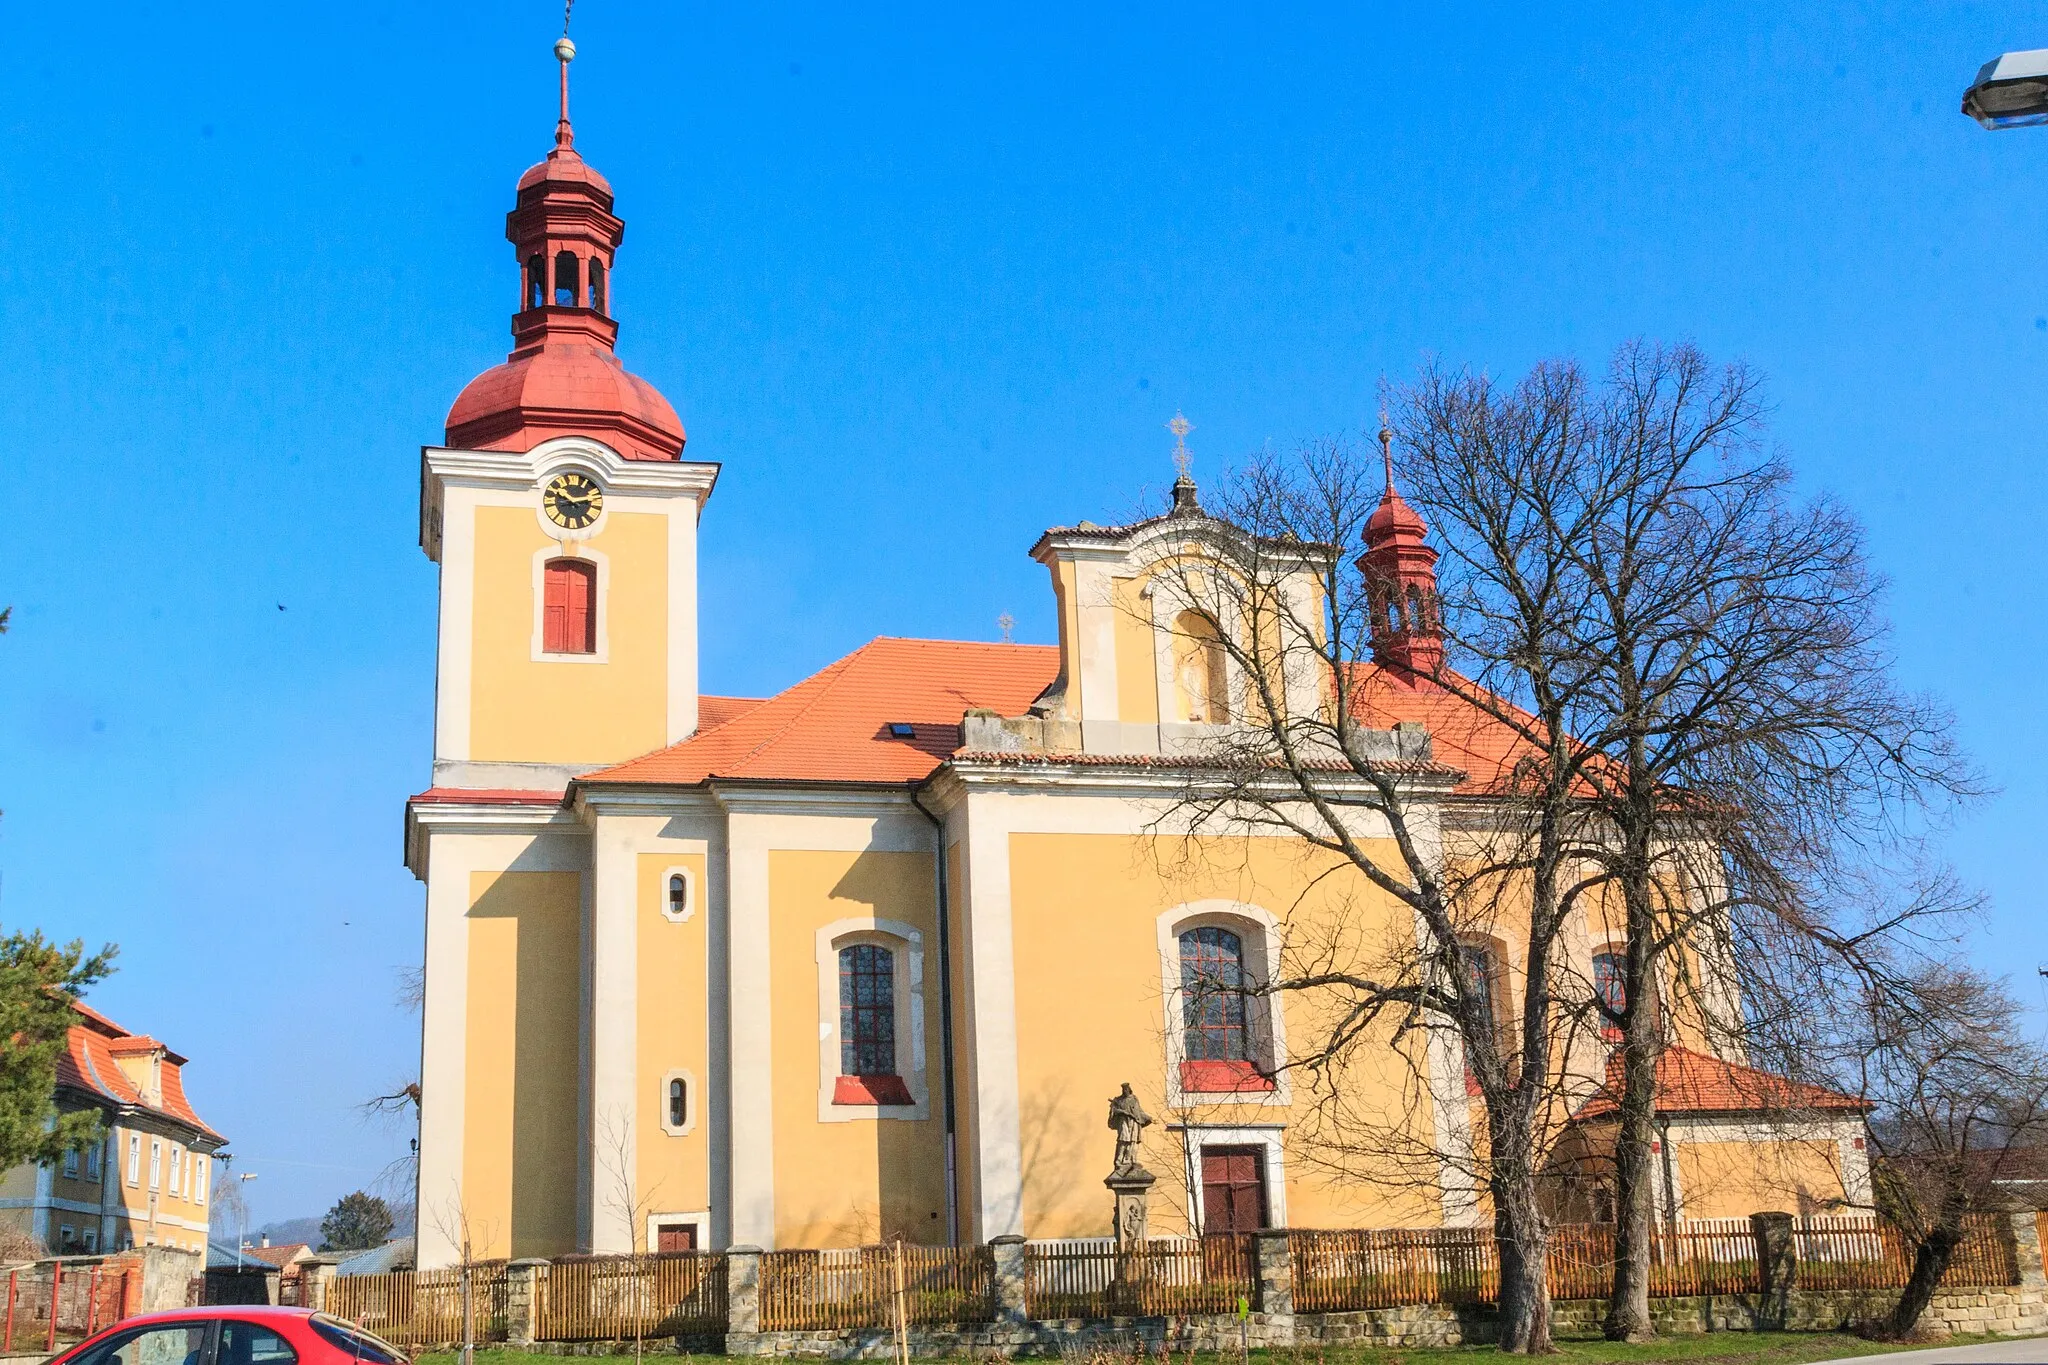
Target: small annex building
(868, 957)
(148, 1182)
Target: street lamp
(242, 1219)
(2011, 91)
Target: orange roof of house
(1691, 1082)
(89, 1064)
(834, 725)
(282, 1254)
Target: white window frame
(689, 1123)
(71, 1163)
(177, 1173)
(689, 877)
(700, 1219)
(201, 1171)
(135, 1158)
(156, 1164)
(90, 1239)
(92, 1162)
(1197, 1136)
(1259, 932)
(905, 943)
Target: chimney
(264, 1241)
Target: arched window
(1218, 1048)
(1416, 619)
(565, 279)
(1201, 674)
(678, 1102)
(569, 610)
(867, 1028)
(536, 280)
(1610, 983)
(678, 896)
(597, 284)
(1485, 974)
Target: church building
(869, 957)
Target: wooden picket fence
(626, 1298)
(1390, 1267)
(1849, 1253)
(423, 1307)
(860, 1286)
(1086, 1277)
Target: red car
(252, 1335)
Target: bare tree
(1729, 683)
(636, 1206)
(1270, 582)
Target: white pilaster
(682, 621)
(443, 1050)
(750, 1032)
(984, 924)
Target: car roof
(220, 1310)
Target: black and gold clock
(572, 501)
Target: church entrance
(1233, 1189)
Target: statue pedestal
(1132, 1186)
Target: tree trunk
(1524, 1277)
(1628, 1300)
(1930, 1263)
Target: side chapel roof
(1691, 1082)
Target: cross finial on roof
(1183, 458)
(1006, 623)
(565, 52)
(1387, 449)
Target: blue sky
(925, 282)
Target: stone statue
(1130, 1121)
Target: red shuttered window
(569, 610)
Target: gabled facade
(149, 1182)
(866, 958)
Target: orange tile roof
(834, 725)
(715, 711)
(283, 1254)
(1691, 1082)
(88, 1064)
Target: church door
(675, 1237)
(1233, 1189)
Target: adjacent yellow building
(148, 1182)
(869, 957)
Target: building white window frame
(1272, 1137)
(156, 1164)
(905, 943)
(699, 1219)
(177, 1172)
(1259, 932)
(135, 1158)
(202, 1171)
(689, 877)
(89, 1238)
(689, 1123)
(72, 1163)
(92, 1162)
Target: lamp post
(2010, 91)
(242, 1219)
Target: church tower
(564, 518)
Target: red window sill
(1223, 1078)
(870, 1090)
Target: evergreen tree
(38, 982)
(357, 1222)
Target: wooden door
(1233, 1189)
(675, 1237)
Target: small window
(899, 729)
(177, 1169)
(156, 1165)
(67, 1236)
(678, 896)
(199, 1179)
(565, 279)
(678, 1102)
(90, 1239)
(596, 284)
(536, 280)
(134, 1159)
(675, 1237)
(569, 611)
(71, 1163)
(92, 1162)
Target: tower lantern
(1400, 581)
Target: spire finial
(565, 53)
(1387, 450)
(1183, 458)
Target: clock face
(573, 500)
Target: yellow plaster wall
(1068, 613)
(519, 1090)
(18, 1182)
(1137, 665)
(1091, 1015)
(862, 1180)
(1736, 1179)
(548, 711)
(674, 1021)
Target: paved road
(2026, 1351)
